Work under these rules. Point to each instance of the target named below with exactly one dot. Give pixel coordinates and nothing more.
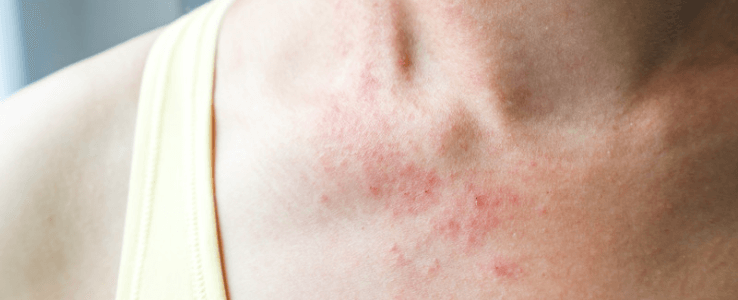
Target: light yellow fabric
(170, 244)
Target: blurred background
(39, 37)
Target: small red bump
(502, 268)
(374, 190)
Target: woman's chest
(390, 201)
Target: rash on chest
(409, 169)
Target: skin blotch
(474, 213)
(500, 268)
(403, 186)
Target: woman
(385, 150)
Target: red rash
(463, 207)
(473, 213)
(465, 214)
(371, 156)
(405, 188)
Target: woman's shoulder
(66, 152)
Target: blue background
(39, 37)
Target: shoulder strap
(170, 244)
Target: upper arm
(65, 152)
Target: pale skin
(575, 149)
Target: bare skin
(417, 150)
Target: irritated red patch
(465, 205)
(425, 190)
(403, 186)
(367, 152)
(473, 213)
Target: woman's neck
(533, 59)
